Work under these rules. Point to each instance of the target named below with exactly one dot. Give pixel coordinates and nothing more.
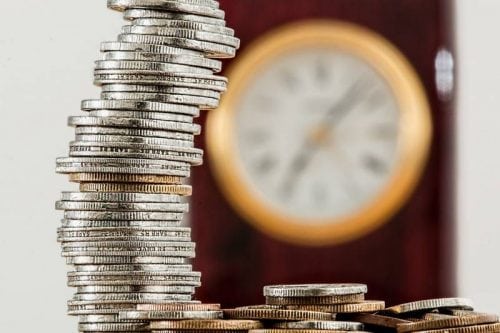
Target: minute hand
(345, 104)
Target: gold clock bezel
(414, 142)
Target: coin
(275, 314)
(319, 300)
(99, 104)
(206, 325)
(433, 321)
(321, 325)
(118, 197)
(183, 190)
(123, 178)
(134, 123)
(117, 260)
(364, 306)
(376, 320)
(460, 303)
(169, 315)
(178, 307)
(184, 24)
(132, 14)
(182, 6)
(314, 290)
(137, 289)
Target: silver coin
(126, 150)
(113, 327)
(158, 4)
(197, 61)
(212, 37)
(161, 90)
(142, 115)
(83, 308)
(210, 82)
(131, 297)
(107, 224)
(66, 235)
(211, 49)
(431, 304)
(321, 325)
(150, 66)
(99, 104)
(314, 290)
(129, 268)
(150, 48)
(202, 102)
(111, 234)
(132, 14)
(137, 289)
(134, 139)
(103, 318)
(120, 197)
(134, 123)
(124, 216)
(122, 206)
(116, 260)
(182, 6)
(170, 315)
(167, 280)
(97, 130)
(125, 245)
(183, 24)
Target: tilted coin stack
(134, 147)
(307, 308)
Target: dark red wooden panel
(411, 256)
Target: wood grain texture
(411, 256)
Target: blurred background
(422, 221)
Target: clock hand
(298, 165)
(310, 146)
(348, 100)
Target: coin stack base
(122, 232)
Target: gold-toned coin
(178, 307)
(321, 300)
(432, 321)
(184, 190)
(365, 306)
(375, 320)
(431, 304)
(234, 325)
(488, 328)
(123, 178)
(278, 330)
(196, 331)
(275, 314)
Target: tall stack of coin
(302, 308)
(443, 315)
(133, 150)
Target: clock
(323, 134)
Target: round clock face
(317, 133)
(322, 135)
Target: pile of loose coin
(133, 149)
(442, 315)
(317, 308)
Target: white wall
(47, 49)
(478, 206)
